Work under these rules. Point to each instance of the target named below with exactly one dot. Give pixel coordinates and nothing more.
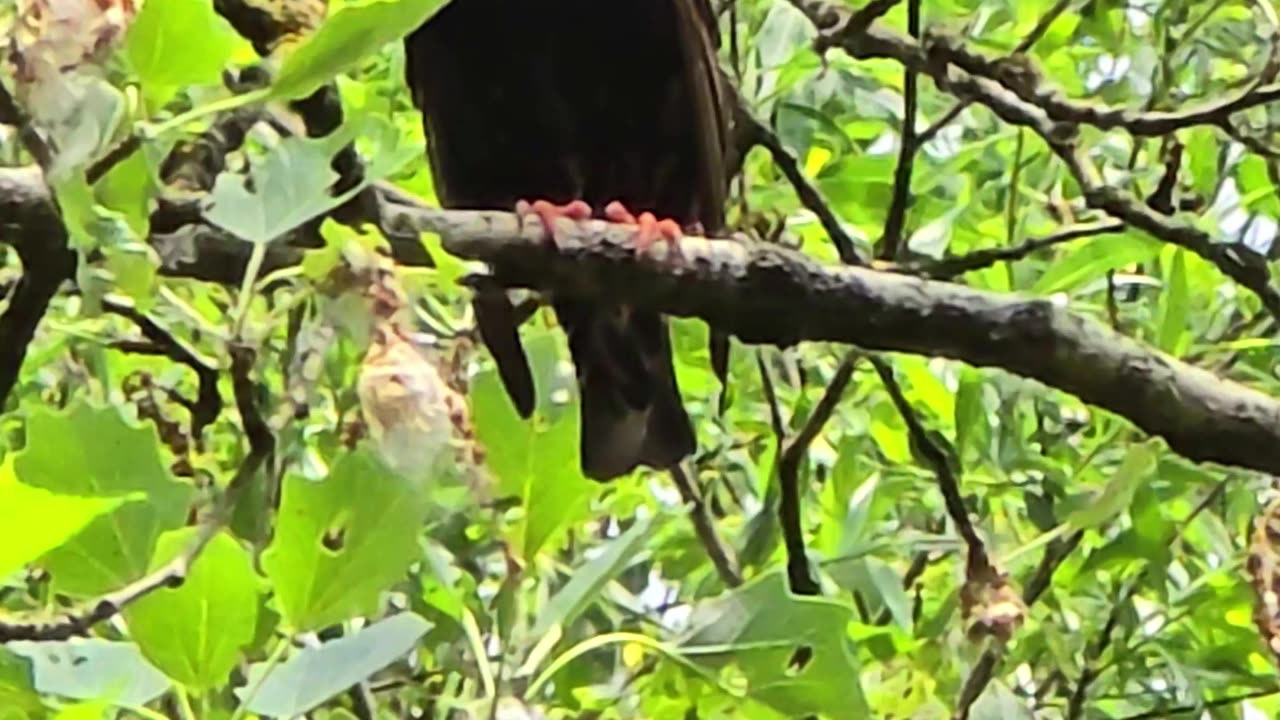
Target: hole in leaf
(334, 539)
(799, 660)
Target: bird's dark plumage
(594, 100)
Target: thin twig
(891, 241)
(791, 453)
(721, 556)
(808, 193)
(951, 267)
(208, 403)
(1203, 705)
(173, 573)
(1042, 26)
(939, 462)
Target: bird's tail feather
(632, 413)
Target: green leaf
(348, 36)
(93, 669)
(879, 583)
(1138, 464)
(586, 581)
(1173, 335)
(1257, 192)
(80, 119)
(92, 710)
(316, 674)
(1090, 259)
(793, 652)
(76, 202)
(175, 44)
(94, 452)
(341, 541)
(973, 431)
(287, 188)
(18, 698)
(194, 632)
(998, 702)
(135, 272)
(35, 521)
(535, 460)
(127, 189)
(1202, 153)
(442, 582)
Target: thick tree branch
(772, 295)
(29, 224)
(769, 294)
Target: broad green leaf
(316, 674)
(785, 32)
(81, 117)
(34, 521)
(346, 37)
(92, 669)
(535, 460)
(1137, 466)
(134, 269)
(76, 202)
(174, 44)
(973, 431)
(860, 513)
(194, 632)
(793, 652)
(340, 542)
(288, 187)
(94, 452)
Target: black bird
(589, 108)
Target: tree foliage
(229, 488)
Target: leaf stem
(246, 288)
(185, 710)
(277, 654)
(151, 132)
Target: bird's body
(591, 100)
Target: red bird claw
(650, 229)
(548, 213)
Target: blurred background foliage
(531, 590)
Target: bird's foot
(651, 229)
(548, 212)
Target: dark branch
(971, 76)
(208, 403)
(768, 294)
(721, 556)
(810, 197)
(29, 223)
(799, 576)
